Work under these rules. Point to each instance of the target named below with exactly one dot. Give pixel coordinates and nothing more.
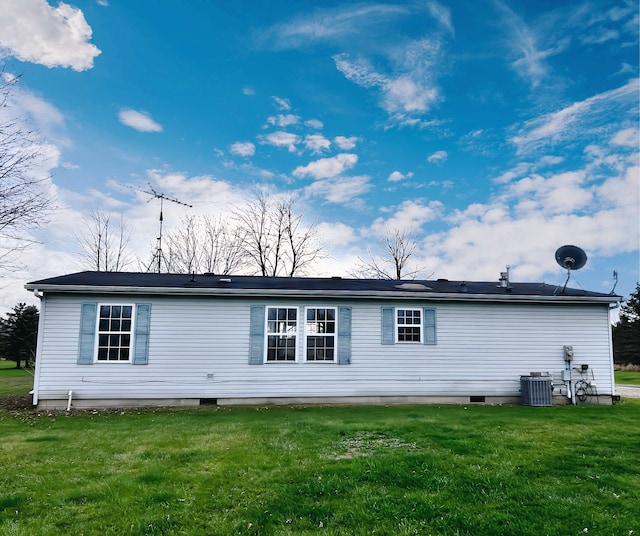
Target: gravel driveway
(628, 391)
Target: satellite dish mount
(571, 258)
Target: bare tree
(275, 240)
(204, 244)
(302, 247)
(393, 263)
(222, 247)
(181, 247)
(25, 202)
(104, 243)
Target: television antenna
(158, 256)
(571, 258)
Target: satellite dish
(571, 257)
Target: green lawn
(13, 381)
(400, 470)
(625, 377)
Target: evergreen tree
(626, 333)
(19, 334)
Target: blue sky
(494, 131)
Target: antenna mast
(158, 256)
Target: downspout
(610, 339)
(39, 345)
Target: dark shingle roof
(211, 284)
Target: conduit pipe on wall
(69, 400)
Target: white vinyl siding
(199, 347)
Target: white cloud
(327, 167)
(359, 71)
(339, 190)
(281, 104)
(314, 123)
(531, 63)
(577, 120)
(140, 121)
(283, 120)
(281, 139)
(439, 157)
(408, 217)
(248, 91)
(33, 113)
(336, 234)
(335, 24)
(531, 218)
(629, 137)
(345, 143)
(396, 176)
(243, 148)
(558, 194)
(317, 143)
(401, 93)
(34, 31)
(442, 14)
(408, 94)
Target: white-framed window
(281, 334)
(320, 334)
(115, 329)
(409, 325)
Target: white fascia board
(306, 293)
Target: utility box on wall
(536, 391)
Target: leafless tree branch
(398, 248)
(104, 244)
(25, 203)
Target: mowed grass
(399, 470)
(627, 377)
(13, 381)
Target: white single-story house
(140, 339)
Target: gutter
(307, 293)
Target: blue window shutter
(388, 326)
(256, 335)
(344, 335)
(429, 323)
(87, 333)
(141, 340)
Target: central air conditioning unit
(536, 390)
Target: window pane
(320, 321)
(114, 334)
